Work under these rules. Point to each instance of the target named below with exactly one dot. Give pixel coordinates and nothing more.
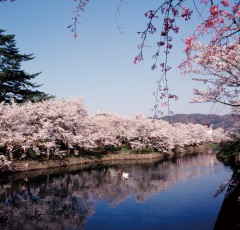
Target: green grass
(214, 146)
(230, 151)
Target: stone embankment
(30, 165)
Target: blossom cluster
(219, 27)
(218, 66)
(44, 127)
(234, 131)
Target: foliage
(230, 151)
(214, 146)
(15, 83)
(62, 127)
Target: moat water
(176, 194)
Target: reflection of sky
(188, 204)
(99, 66)
(154, 195)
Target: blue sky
(98, 66)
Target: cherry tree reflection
(66, 200)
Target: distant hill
(223, 121)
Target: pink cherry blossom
(225, 3)
(41, 126)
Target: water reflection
(65, 200)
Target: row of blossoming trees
(38, 129)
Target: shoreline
(31, 165)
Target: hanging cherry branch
(79, 8)
(220, 27)
(167, 12)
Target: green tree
(15, 83)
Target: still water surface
(175, 194)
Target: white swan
(209, 130)
(125, 175)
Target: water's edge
(24, 166)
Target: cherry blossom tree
(218, 67)
(45, 128)
(218, 28)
